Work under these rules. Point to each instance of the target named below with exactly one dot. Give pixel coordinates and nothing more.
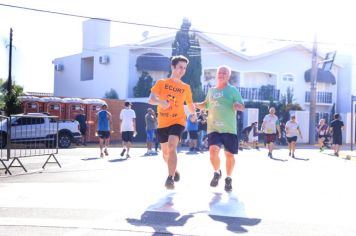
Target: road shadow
(118, 160)
(90, 159)
(278, 159)
(300, 159)
(161, 220)
(223, 210)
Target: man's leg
(173, 141)
(214, 157)
(101, 145)
(230, 163)
(215, 162)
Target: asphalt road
(312, 195)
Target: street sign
(328, 61)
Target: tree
(11, 103)
(188, 45)
(111, 94)
(144, 84)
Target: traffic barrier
(27, 136)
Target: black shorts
(230, 141)
(184, 135)
(321, 136)
(270, 138)
(292, 139)
(83, 131)
(104, 134)
(127, 136)
(193, 134)
(337, 139)
(163, 133)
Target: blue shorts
(150, 135)
(230, 141)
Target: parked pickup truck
(39, 128)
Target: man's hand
(164, 104)
(238, 107)
(193, 117)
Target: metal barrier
(27, 136)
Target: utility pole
(313, 81)
(9, 80)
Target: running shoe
(228, 184)
(176, 177)
(215, 181)
(123, 152)
(106, 152)
(169, 183)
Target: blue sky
(41, 37)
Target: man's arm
(238, 106)
(200, 105)
(111, 123)
(154, 100)
(279, 131)
(191, 108)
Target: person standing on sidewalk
(270, 126)
(222, 102)
(336, 127)
(151, 126)
(192, 128)
(170, 95)
(104, 125)
(82, 120)
(128, 128)
(292, 132)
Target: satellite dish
(145, 34)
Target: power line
(160, 26)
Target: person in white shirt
(292, 132)
(270, 126)
(127, 128)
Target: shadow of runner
(278, 159)
(159, 221)
(300, 159)
(224, 211)
(161, 216)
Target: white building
(100, 67)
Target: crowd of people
(210, 125)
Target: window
(29, 121)
(75, 107)
(288, 78)
(31, 105)
(54, 107)
(87, 69)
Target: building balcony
(321, 97)
(259, 94)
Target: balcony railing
(259, 94)
(321, 97)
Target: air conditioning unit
(58, 67)
(104, 60)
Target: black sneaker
(169, 183)
(290, 153)
(228, 182)
(269, 154)
(123, 152)
(215, 181)
(176, 177)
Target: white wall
(250, 115)
(96, 35)
(302, 117)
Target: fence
(24, 136)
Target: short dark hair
(176, 59)
(127, 104)
(336, 116)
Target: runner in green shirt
(222, 102)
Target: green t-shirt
(221, 115)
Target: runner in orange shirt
(170, 94)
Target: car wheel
(64, 140)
